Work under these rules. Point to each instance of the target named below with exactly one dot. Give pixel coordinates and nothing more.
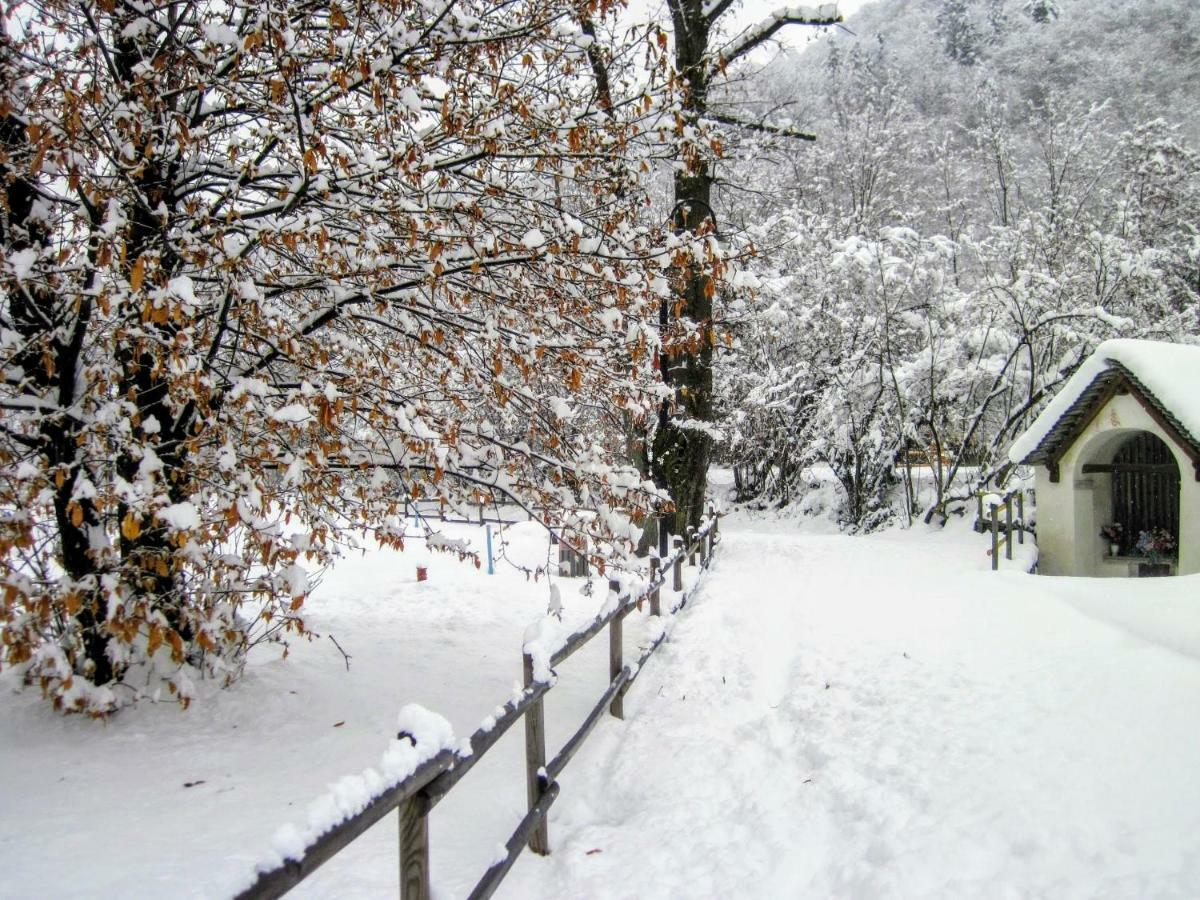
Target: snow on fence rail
(431, 767)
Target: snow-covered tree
(703, 53)
(936, 265)
(267, 270)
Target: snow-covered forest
(299, 298)
(996, 187)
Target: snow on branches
(265, 272)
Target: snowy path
(832, 717)
(840, 717)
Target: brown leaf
(138, 274)
(130, 526)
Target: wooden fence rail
(992, 523)
(416, 795)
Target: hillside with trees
(996, 187)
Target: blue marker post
(491, 565)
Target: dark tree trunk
(681, 455)
(142, 360)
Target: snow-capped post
(1021, 515)
(995, 536)
(655, 601)
(663, 536)
(616, 647)
(414, 849)
(535, 760)
(1008, 525)
(677, 583)
(691, 539)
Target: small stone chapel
(1116, 458)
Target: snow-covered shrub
(264, 276)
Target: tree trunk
(681, 455)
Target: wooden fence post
(703, 549)
(1008, 542)
(414, 849)
(535, 761)
(995, 538)
(678, 580)
(616, 646)
(980, 522)
(691, 539)
(655, 601)
(663, 537)
(1021, 516)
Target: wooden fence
(488, 512)
(992, 522)
(417, 795)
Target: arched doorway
(1145, 488)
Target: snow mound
(423, 734)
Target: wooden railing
(992, 522)
(416, 795)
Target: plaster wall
(1070, 513)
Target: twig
(345, 655)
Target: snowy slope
(861, 718)
(94, 810)
(834, 716)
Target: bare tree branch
(779, 130)
(820, 16)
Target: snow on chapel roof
(1166, 374)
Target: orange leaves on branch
(131, 527)
(137, 274)
(305, 258)
(154, 640)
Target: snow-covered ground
(864, 717)
(833, 716)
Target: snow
(868, 717)
(533, 239)
(830, 716)
(422, 734)
(293, 414)
(180, 516)
(1169, 371)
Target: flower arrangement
(1113, 533)
(1156, 543)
